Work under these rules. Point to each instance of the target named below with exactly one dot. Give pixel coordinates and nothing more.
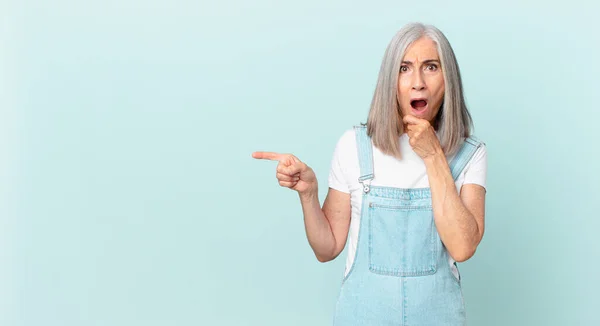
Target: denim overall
(401, 273)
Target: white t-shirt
(409, 172)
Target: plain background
(129, 196)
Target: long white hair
(384, 122)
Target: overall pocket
(403, 240)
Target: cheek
(403, 86)
(439, 89)
(441, 93)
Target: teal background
(129, 196)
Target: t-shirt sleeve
(476, 170)
(337, 176)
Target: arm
(459, 218)
(326, 227)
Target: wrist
(435, 158)
(309, 193)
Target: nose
(418, 83)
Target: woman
(407, 189)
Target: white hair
(384, 122)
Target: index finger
(267, 156)
(411, 119)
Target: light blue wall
(129, 196)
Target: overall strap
(365, 156)
(464, 155)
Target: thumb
(297, 167)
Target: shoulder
(346, 150)
(476, 167)
(471, 147)
(347, 139)
(480, 148)
(475, 141)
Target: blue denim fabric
(401, 274)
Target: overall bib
(401, 273)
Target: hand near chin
(422, 137)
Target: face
(421, 81)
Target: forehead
(422, 49)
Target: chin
(421, 114)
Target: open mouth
(418, 104)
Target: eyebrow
(425, 62)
